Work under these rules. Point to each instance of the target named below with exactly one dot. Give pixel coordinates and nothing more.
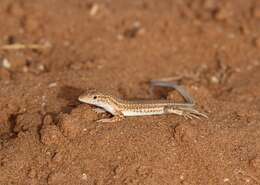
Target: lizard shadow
(70, 94)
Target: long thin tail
(173, 85)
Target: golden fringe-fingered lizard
(122, 108)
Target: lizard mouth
(82, 99)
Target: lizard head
(99, 99)
(94, 98)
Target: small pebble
(6, 64)
(226, 180)
(137, 24)
(84, 176)
(214, 80)
(134, 30)
(41, 67)
(94, 9)
(120, 37)
(54, 84)
(25, 69)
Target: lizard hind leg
(186, 112)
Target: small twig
(167, 79)
(24, 46)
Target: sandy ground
(48, 137)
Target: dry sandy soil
(48, 137)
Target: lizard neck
(110, 104)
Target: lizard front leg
(119, 116)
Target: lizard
(120, 108)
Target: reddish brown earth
(48, 137)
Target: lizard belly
(143, 112)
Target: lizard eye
(94, 97)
